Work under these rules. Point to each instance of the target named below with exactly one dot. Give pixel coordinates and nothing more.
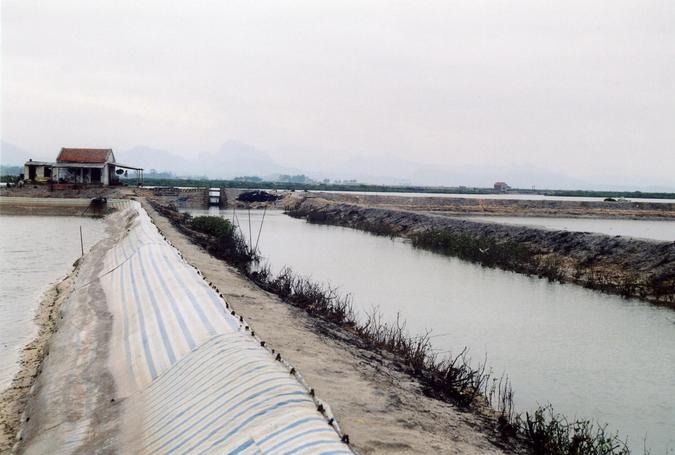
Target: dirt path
(380, 408)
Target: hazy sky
(581, 87)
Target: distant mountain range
(231, 160)
(12, 155)
(235, 159)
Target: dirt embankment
(382, 408)
(52, 207)
(630, 267)
(508, 207)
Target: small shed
(37, 171)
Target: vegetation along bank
(630, 267)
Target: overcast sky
(581, 87)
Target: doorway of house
(95, 175)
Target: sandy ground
(13, 399)
(382, 410)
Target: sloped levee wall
(189, 375)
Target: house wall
(76, 174)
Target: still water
(591, 355)
(35, 252)
(647, 229)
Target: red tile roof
(84, 155)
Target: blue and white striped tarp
(196, 379)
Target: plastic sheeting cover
(200, 382)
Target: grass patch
(317, 299)
(225, 241)
(551, 433)
(485, 250)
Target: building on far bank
(502, 187)
(85, 166)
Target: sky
(584, 88)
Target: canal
(590, 355)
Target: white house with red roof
(87, 166)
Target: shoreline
(14, 399)
(618, 265)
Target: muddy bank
(629, 267)
(13, 399)
(379, 405)
(508, 207)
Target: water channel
(591, 355)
